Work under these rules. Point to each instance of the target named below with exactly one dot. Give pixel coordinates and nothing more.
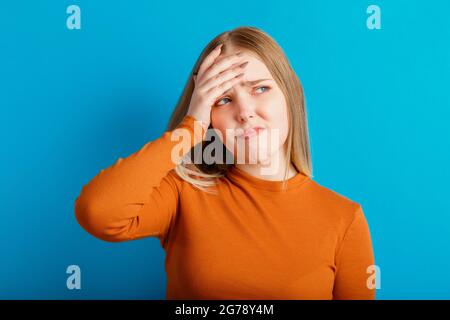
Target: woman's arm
(137, 196)
(353, 258)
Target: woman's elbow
(90, 217)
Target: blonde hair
(203, 176)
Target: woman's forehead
(255, 70)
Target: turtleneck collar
(245, 180)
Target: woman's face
(249, 104)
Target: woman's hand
(215, 76)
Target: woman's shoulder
(332, 200)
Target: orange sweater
(252, 241)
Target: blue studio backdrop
(74, 100)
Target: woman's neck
(276, 171)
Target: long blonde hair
(203, 175)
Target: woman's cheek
(277, 116)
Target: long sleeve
(355, 255)
(137, 196)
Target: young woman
(231, 230)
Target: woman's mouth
(251, 132)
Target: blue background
(74, 101)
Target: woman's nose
(245, 110)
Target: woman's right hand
(215, 76)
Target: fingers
(220, 66)
(209, 60)
(226, 75)
(218, 90)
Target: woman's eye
(221, 100)
(262, 87)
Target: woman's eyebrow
(251, 83)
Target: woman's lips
(251, 132)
